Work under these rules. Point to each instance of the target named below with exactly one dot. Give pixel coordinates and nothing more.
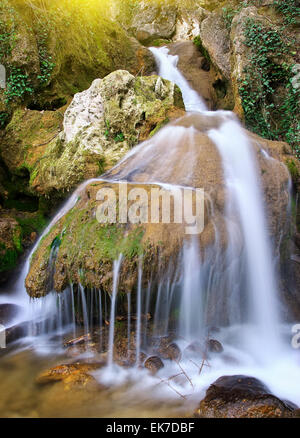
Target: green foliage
(6, 36)
(8, 258)
(289, 9)
(7, 31)
(31, 224)
(9, 255)
(107, 129)
(119, 137)
(18, 85)
(56, 242)
(46, 64)
(228, 14)
(293, 169)
(198, 43)
(270, 102)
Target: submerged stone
(154, 364)
(214, 346)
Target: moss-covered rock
(101, 125)
(80, 249)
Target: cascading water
(167, 65)
(117, 264)
(245, 200)
(238, 284)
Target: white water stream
(252, 339)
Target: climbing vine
(289, 9)
(18, 85)
(270, 101)
(46, 63)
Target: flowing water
(240, 285)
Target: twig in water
(169, 378)
(202, 365)
(175, 390)
(185, 374)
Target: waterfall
(139, 313)
(192, 294)
(233, 289)
(167, 65)
(245, 200)
(116, 271)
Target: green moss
(160, 42)
(107, 241)
(17, 240)
(9, 253)
(8, 258)
(28, 204)
(35, 223)
(201, 48)
(293, 169)
(159, 126)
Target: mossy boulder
(101, 125)
(83, 250)
(242, 397)
(24, 140)
(79, 249)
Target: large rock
(242, 397)
(74, 375)
(86, 248)
(55, 151)
(102, 124)
(25, 139)
(215, 39)
(188, 23)
(240, 52)
(154, 20)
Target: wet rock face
(241, 397)
(102, 124)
